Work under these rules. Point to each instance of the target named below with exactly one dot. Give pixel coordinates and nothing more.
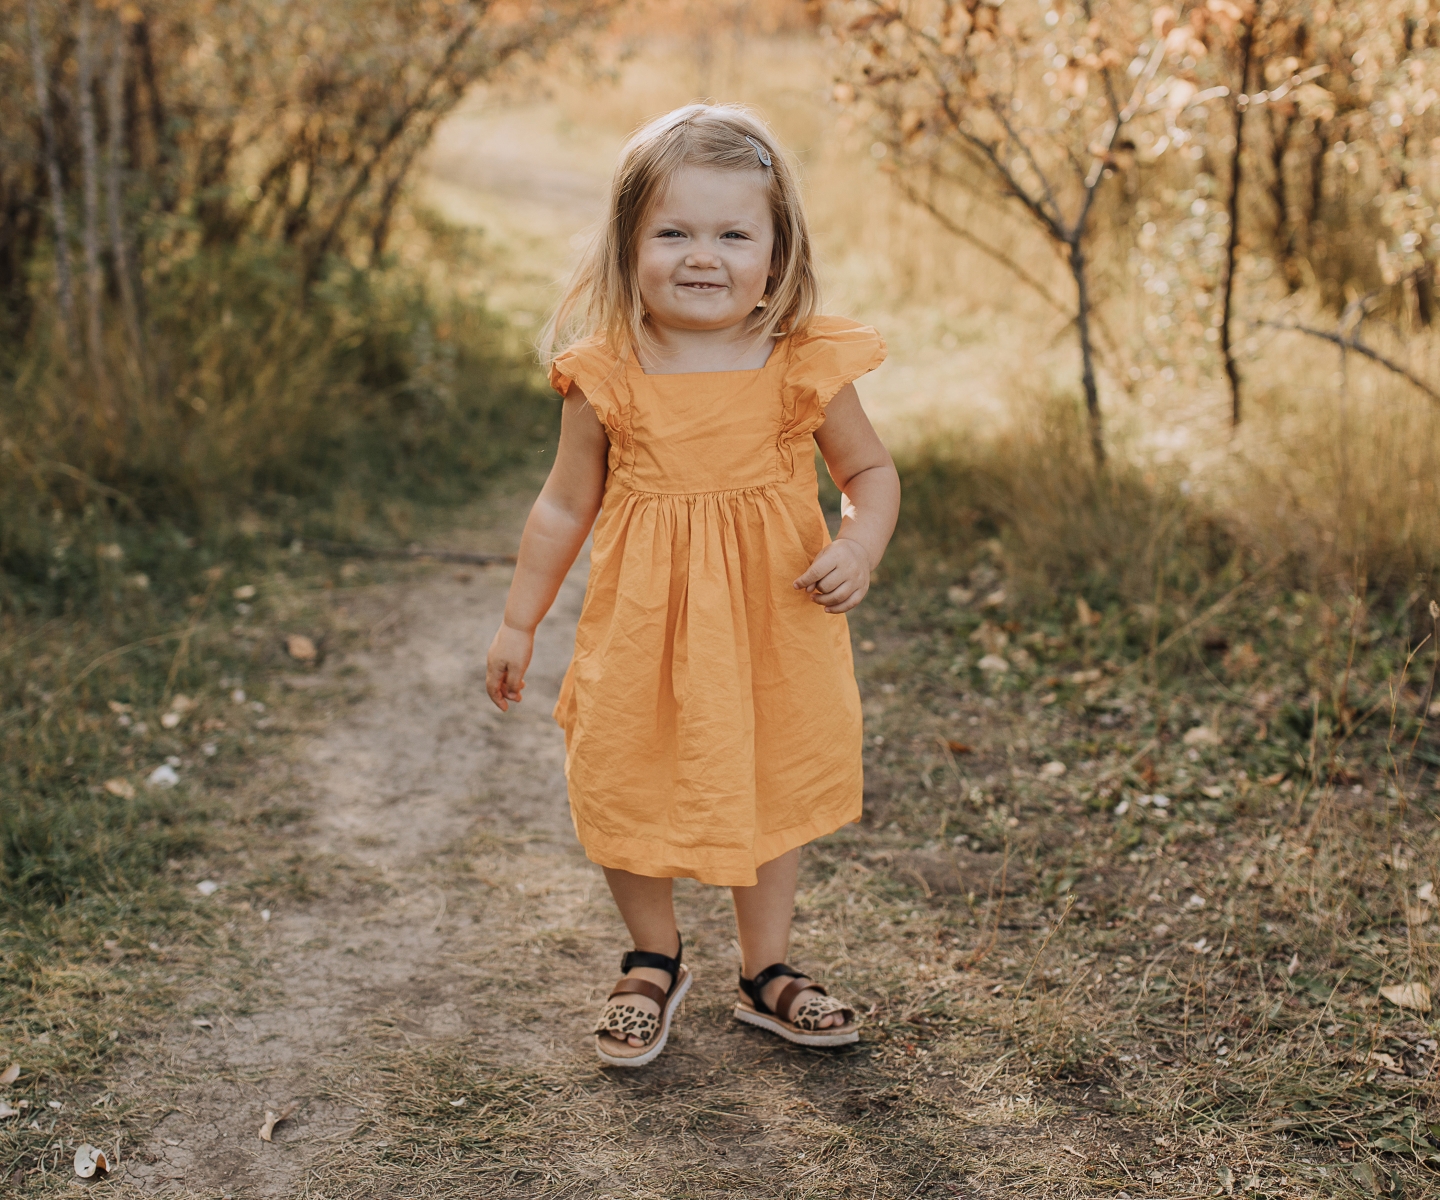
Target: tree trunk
(1286, 233)
(63, 284)
(1087, 354)
(1232, 241)
(119, 248)
(90, 175)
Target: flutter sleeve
(830, 354)
(601, 376)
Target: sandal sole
(667, 1016)
(747, 1014)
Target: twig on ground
(981, 951)
(1034, 962)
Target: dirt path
(429, 802)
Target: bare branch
(1353, 343)
(1006, 177)
(955, 229)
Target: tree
(1027, 106)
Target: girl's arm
(557, 527)
(861, 468)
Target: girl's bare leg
(762, 916)
(649, 915)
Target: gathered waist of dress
(760, 489)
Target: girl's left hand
(839, 577)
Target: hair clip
(759, 149)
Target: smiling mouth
(704, 287)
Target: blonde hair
(603, 296)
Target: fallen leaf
(9, 1075)
(246, 591)
(993, 662)
(1087, 615)
(272, 1119)
(163, 776)
(90, 1159)
(1380, 1059)
(1079, 678)
(300, 648)
(1226, 1179)
(1425, 893)
(867, 647)
(207, 887)
(120, 787)
(170, 720)
(958, 747)
(457, 1103)
(203, 1023)
(1272, 780)
(1214, 791)
(1201, 735)
(958, 595)
(6, 1111)
(1408, 995)
(1053, 770)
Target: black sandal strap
(655, 962)
(754, 987)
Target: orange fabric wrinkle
(711, 717)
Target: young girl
(712, 722)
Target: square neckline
(633, 360)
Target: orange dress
(711, 716)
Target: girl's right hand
(506, 664)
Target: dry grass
(1061, 998)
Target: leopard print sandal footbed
(622, 1018)
(802, 1026)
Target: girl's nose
(702, 260)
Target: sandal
(621, 1019)
(801, 1026)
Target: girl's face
(705, 249)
